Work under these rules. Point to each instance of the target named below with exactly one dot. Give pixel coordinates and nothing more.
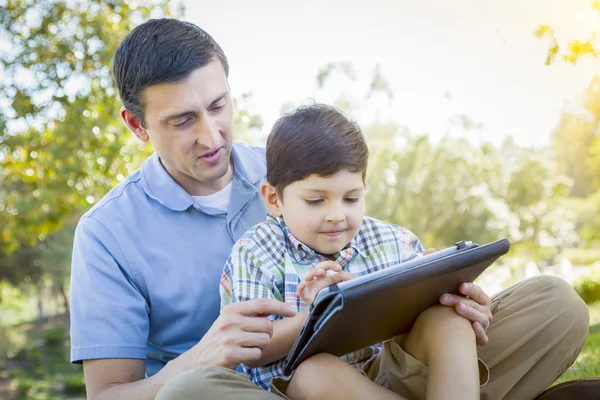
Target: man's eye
(182, 124)
(217, 108)
(313, 202)
(351, 199)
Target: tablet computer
(367, 310)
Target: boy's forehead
(344, 179)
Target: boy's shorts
(395, 369)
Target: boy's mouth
(333, 233)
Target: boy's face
(325, 213)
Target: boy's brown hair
(316, 139)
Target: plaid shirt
(268, 262)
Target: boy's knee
(316, 365)
(557, 295)
(313, 378)
(439, 319)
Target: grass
(587, 364)
(38, 368)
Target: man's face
(190, 126)
(325, 213)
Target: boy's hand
(318, 278)
(476, 307)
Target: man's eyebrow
(173, 117)
(219, 98)
(190, 113)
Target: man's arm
(239, 335)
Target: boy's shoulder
(266, 236)
(374, 233)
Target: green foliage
(587, 364)
(453, 190)
(40, 365)
(576, 48)
(64, 145)
(588, 288)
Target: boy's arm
(247, 276)
(285, 332)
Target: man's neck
(195, 187)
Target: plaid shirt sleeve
(244, 276)
(410, 245)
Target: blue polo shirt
(147, 262)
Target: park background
(482, 117)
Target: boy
(316, 235)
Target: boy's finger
(329, 265)
(430, 250)
(313, 273)
(342, 277)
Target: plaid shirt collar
(302, 252)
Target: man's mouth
(212, 156)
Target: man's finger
(253, 339)
(261, 307)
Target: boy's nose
(335, 215)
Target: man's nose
(208, 134)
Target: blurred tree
(63, 145)
(62, 142)
(576, 143)
(577, 138)
(575, 48)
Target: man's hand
(476, 307)
(317, 279)
(239, 335)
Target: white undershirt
(219, 200)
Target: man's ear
(271, 199)
(134, 124)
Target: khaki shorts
(394, 369)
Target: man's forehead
(199, 89)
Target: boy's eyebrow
(357, 189)
(191, 113)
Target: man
(148, 257)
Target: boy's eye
(351, 199)
(313, 202)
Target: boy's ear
(271, 199)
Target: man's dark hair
(162, 50)
(316, 139)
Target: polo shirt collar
(160, 186)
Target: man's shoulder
(250, 162)
(116, 200)
(257, 152)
